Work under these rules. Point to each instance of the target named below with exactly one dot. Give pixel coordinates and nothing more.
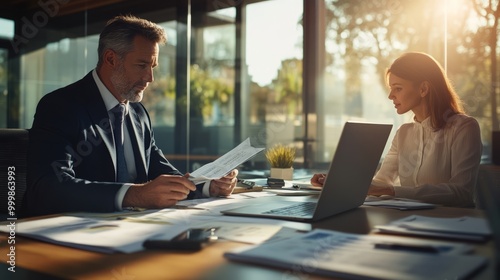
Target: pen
(407, 247)
(305, 187)
(187, 207)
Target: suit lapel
(97, 112)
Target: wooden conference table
(40, 260)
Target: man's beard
(119, 81)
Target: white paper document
(125, 232)
(224, 164)
(91, 234)
(397, 203)
(250, 233)
(353, 256)
(466, 228)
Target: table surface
(40, 260)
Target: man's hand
(164, 191)
(225, 185)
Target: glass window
(56, 65)
(160, 96)
(264, 98)
(211, 86)
(6, 28)
(272, 94)
(363, 39)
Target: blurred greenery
(381, 30)
(205, 92)
(288, 86)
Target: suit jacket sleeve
(156, 161)
(160, 165)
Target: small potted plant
(281, 159)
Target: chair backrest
(488, 194)
(13, 171)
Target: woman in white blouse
(436, 157)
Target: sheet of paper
(466, 225)
(338, 254)
(432, 234)
(251, 233)
(103, 236)
(463, 228)
(213, 206)
(224, 164)
(265, 221)
(169, 216)
(293, 192)
(396, 203)
(303, 185)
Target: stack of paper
(125, 232)
(354, 256)
(398, 203)
(91, 234)
(465, 228)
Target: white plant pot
(282, 173)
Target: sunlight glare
(272, 36)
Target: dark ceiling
(15, 9)
(76, 18)
(61, 14)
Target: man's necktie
(121, 164)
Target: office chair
(488, 194)
(13, 171)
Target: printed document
(465, 228)
(397, 203)
(105, 236)
(223, 165)
(343, 255)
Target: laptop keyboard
(302, 209)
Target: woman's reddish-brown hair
(442, 101)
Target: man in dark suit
(79, 161)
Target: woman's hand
(318, 179)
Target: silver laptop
(348, 179)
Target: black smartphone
(275, 183)
(193, 239)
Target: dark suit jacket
(70, 163)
